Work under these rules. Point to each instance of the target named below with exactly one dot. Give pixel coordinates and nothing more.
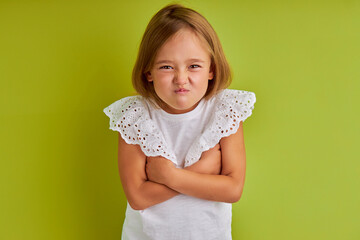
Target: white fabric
(179, 130)
(180, 138)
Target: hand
(158, 169)
(209, 162)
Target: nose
(181, 77)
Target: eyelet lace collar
(130, 116)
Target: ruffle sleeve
(231, 107)
(130, 117)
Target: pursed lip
(181, 90)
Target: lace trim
(131, 118)
(232, 106)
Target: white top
(180, 138)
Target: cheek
(162, 85)
(200, 77)
(163, 76)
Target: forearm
(154, 193)
(222, 188)
(200, 167)
(209, 163)
(149, 194)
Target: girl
(181, 148)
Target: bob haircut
(163, 25)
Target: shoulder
(238, 97)
(130, 116)
(124, 104)
(127, 107)
(231, 108)
(237, 104)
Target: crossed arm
(219, 175)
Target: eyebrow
(189, 60)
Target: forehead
(184, 44)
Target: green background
(62, 62)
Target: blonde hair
(163, 25)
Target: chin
(187, 108)
(179, 109)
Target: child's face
(181, 72)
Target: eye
(165, 67)
(194, 66)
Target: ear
(211, 75)
(148, 76)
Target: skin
(181, 63)
(220, 173)
(141, 192)
(226, 187)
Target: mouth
(181, 90)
